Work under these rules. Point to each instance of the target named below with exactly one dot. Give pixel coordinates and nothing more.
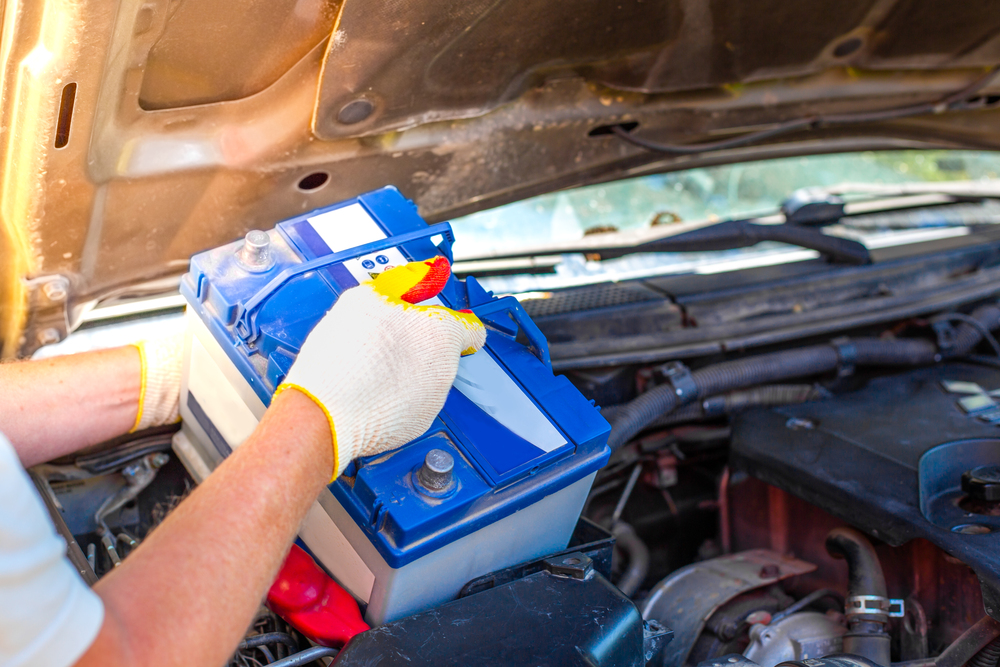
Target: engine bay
(832, 499)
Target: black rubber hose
(899, 352)
(718, 379)
(866, 634)
(716, 406)
(864, 571)
(774, 394)
(765, 369)
(967, 336)
(988, 657)
(638, 558)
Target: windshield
(711, 193)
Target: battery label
(346, 227)
(349, 227)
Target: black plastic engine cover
(889, 459)
(567, 614)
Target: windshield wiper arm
(744, 233)
(698, 237)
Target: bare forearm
(187, 595)
(53, 407)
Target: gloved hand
(379, 367)
(160, 389)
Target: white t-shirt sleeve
(48, 615)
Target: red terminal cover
(313, 603)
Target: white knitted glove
(379, 367)
(160, 391)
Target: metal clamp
(874, 604)
(679, 376)
(847, 356)
(945, 332)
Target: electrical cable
(267, 653)
(805, 602)
(305, 657)
(809, 122)
(268, 638)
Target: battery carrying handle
(246, 319)
(507, 315)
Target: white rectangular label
(346, 228)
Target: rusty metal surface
(686, 599)
(404, 64)
(138, 183)
(947, 590)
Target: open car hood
(138, 132)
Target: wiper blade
(791, 227)
(744, 233)
(698, 237)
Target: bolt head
(55, 292)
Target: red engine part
(948, 592)
(313, 603)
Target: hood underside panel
(139, 132)
(397, 65)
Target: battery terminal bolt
(435, 474)
(255, 255)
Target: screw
(54, 292)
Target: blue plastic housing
(262, 319)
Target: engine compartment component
(687, 599)
(513, 452)
(595, 625)
(800, 636)
(888, 457)
(866, 608)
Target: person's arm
(371, 376)
(53, 407)
(188, 593)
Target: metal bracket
(48, 301)
(679, 376)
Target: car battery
(500, 477)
